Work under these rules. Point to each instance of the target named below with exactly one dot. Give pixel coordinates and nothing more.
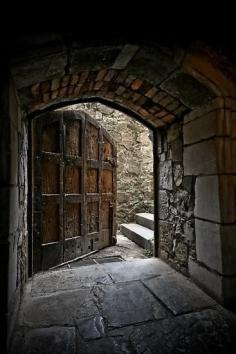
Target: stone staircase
(140, 232)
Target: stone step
(141, 235)
(145, 219)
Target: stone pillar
(176, 201)
(11, 206)
(210, 156)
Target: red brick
(169, 118)
(77, 90)
(55, 84)
(151, 92)
(54, 94)
(141, 101)
(120, 90)
(71, 90)
(143, 112)
(166, 100)
(160, 114)
(35, 90)
(173, 105)
(129, 79)
(158, 123)
(46, 96)
(110, 94)
(127, 94)
(63, 92)
(98, 85)
(136, 84)
(101, 75)
(159, 96)
(110, 75)
(45, 86)
(83, 77)
(121, 77)
(154, 109)
(74, 79)
(181, 109)
(65, 80)
(133, 106)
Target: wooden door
(74, 188)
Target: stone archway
(159, 85)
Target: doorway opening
(92, 187)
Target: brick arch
(153, 105)
(154, 83)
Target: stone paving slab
(91, 328)
(53, 340)
(204, 332)
(178, 293)
(49, 282)
(162, 312)
(136, 270)
(128, 303)
(61, 280)
(58, 309)
(111, 345)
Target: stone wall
(176, 201)
(134, 157)
(209, 155)
(18, 230)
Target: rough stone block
(160, 64)
(42, 67)
(233, 124)
(178, 174)
(145, 219)
(163, 205)
(200, 159)
(208, 244)
(124, 57)
(173, 132)
(222, 288)
(207, 202)
(216, 246)
(215, 199)
(216, 103)
(209, 125)
(178, 293)
(188, 183)
(91, 59)
(141, 235)
(177, 150)
(228, 242)
(166, 180)
(227, 188)
(193, 93)
(133, 304)
(46, 340)
(211, 282)
(74, 306)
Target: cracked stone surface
(139, 306)
(178, 293)
(130, 304)
(53, 340)
(136, 270)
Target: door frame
(115, 106)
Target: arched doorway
(74, 188)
